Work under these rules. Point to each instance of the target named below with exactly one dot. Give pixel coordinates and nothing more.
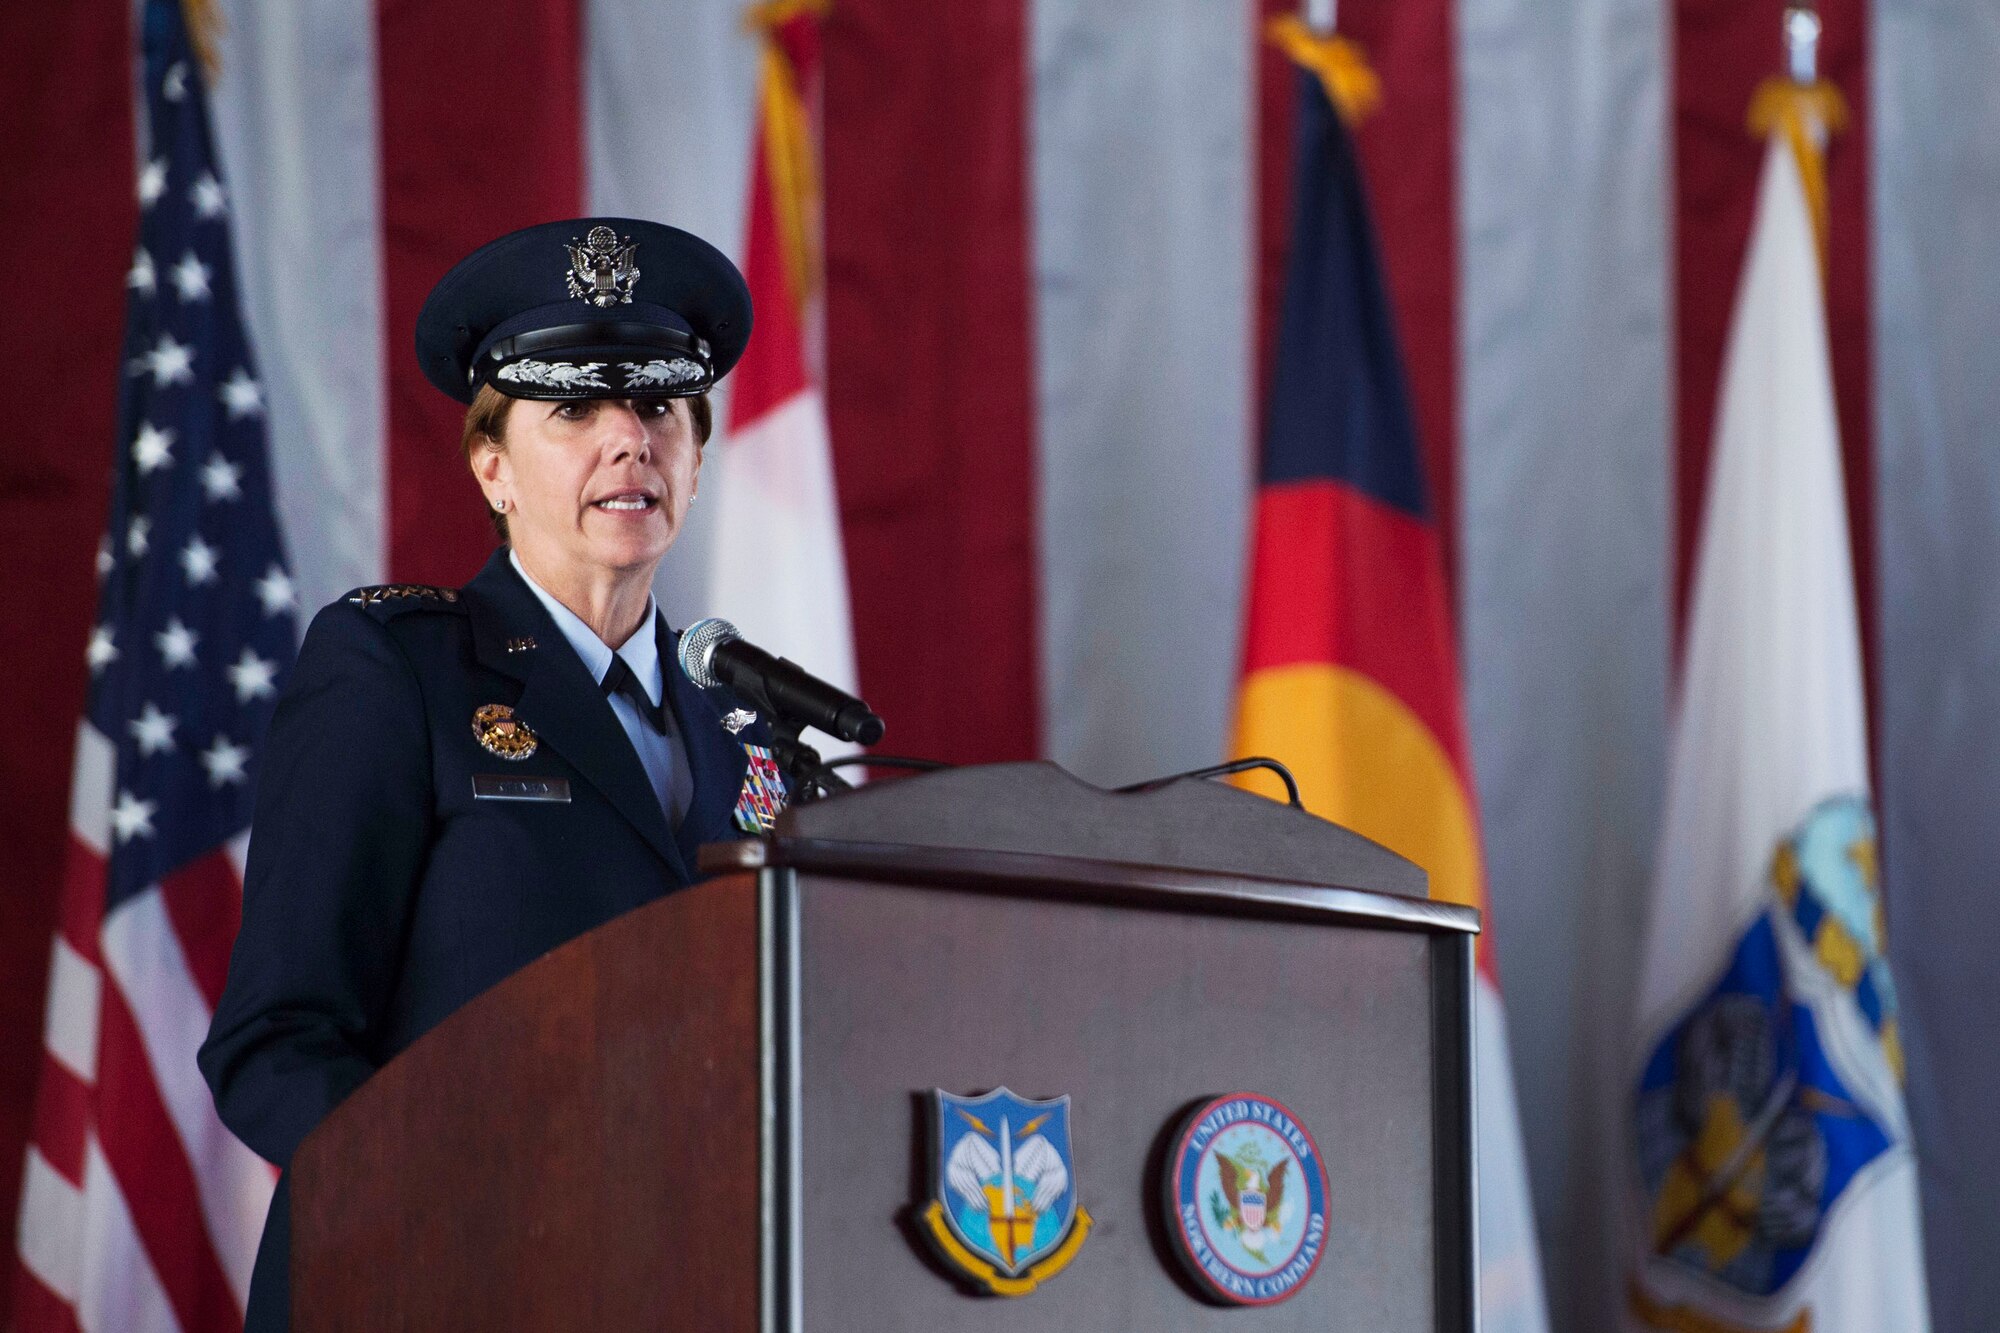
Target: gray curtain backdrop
(296, 128)
(1566, 486)
(1937, 308)
(1141, 211)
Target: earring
(499, 506)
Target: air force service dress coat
(383, 891)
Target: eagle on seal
(1256, 1202)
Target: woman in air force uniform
(458, 780)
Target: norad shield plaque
(1003, 1208)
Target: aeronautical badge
(603, 268)
(763, 794)
(1002, 1207)
(1246, 1199)
(496, 728)
(736, 719)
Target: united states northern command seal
(1003, 1208)
(1246, 1199)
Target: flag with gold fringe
(1775, 1186)
(1350, 667)
(773, 473)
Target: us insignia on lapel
(763, 794)
(736, 719)
(496, 728)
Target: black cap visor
(597, 358)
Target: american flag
(139, 1210)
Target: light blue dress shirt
(663, 757)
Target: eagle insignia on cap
(603, 268)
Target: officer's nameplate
(506, 787)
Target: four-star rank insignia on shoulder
(1003, 1202)
(401, 592)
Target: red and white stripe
(780, 572)
(139, 1211)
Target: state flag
(1350, 673)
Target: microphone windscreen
(697, 651)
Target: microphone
(713, 653)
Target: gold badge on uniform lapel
(502, 733)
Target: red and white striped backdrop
(1052, 233)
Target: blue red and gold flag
(1350, 670)
(1350, 674)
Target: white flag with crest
(1775, 1183)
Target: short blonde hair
(486, 428)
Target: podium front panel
(1135, 1014)
(710, 1112)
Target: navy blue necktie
(620, 680)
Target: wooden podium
(709, 1113)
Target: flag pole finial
(1339, 64)
(1803, 108)
(1802, 29)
